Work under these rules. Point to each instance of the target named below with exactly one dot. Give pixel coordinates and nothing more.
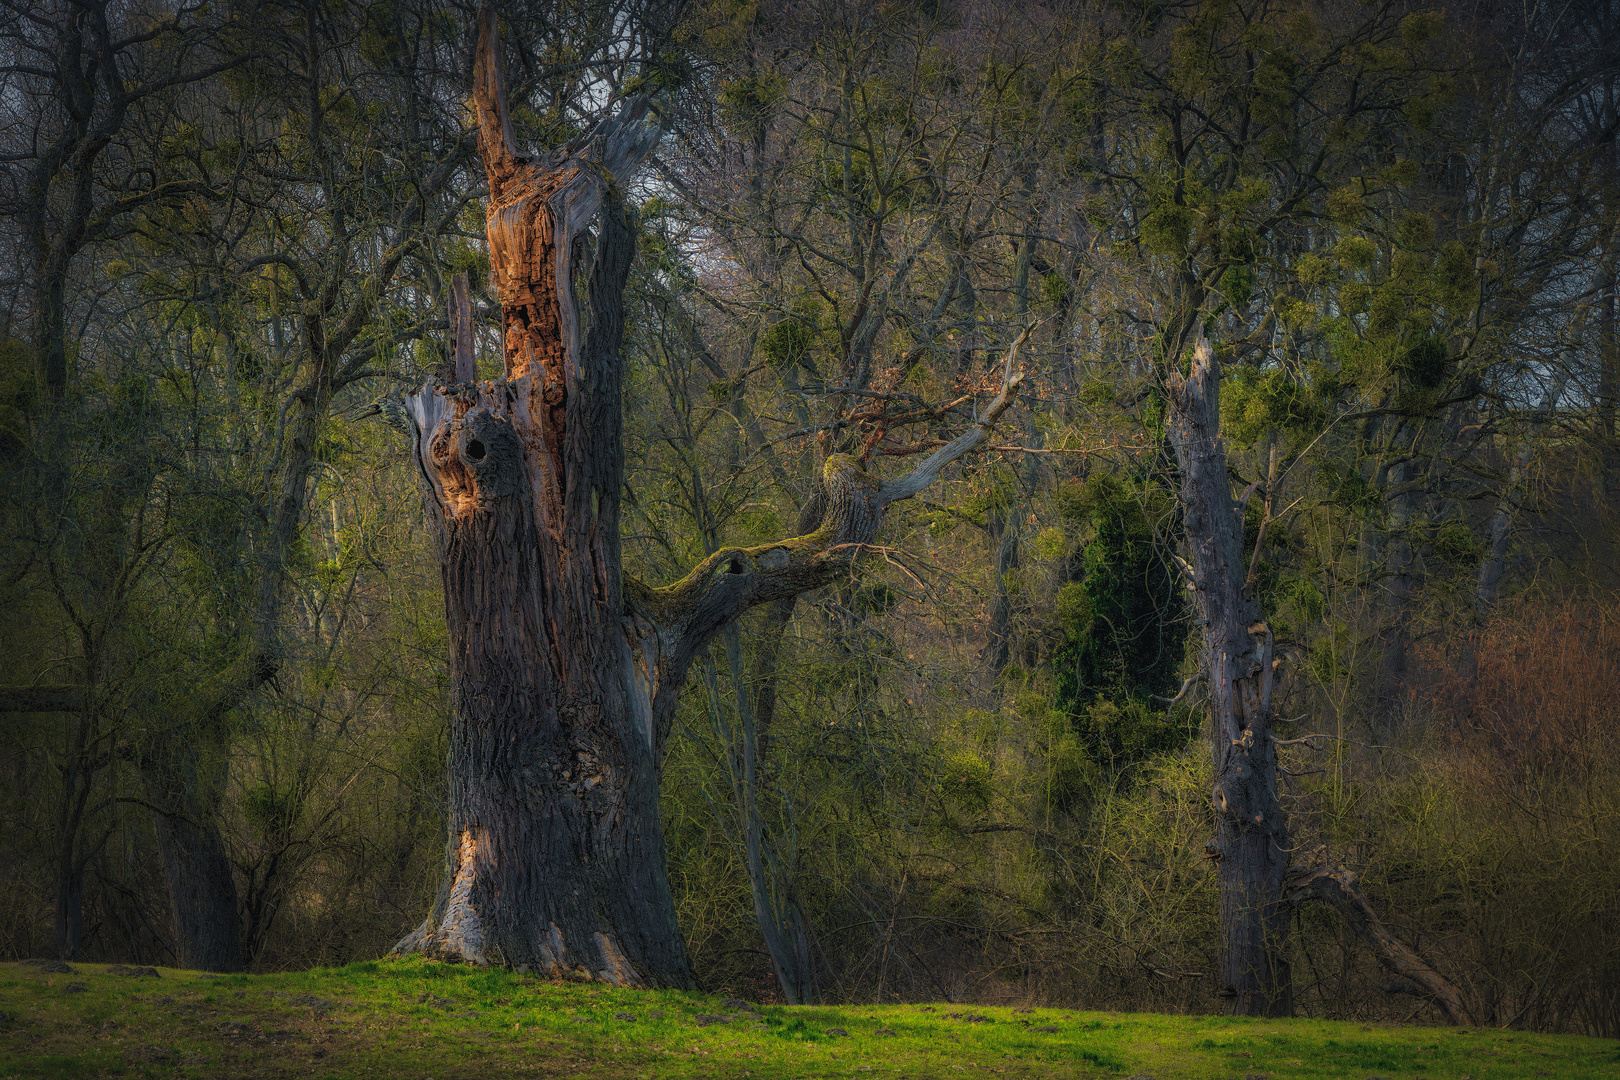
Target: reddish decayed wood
(557, 862)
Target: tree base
(465, 927)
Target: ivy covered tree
(1124, 620)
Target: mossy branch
(674, 622)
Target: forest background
(983, 764)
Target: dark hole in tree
(736, 566)
(475, 450)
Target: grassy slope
(421, 1020)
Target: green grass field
(426, 1021)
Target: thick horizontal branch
(729, 582)
(732, 580)
(670, 625)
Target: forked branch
(678, 620)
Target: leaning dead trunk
(1251, 838)
(1339, 888)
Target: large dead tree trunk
(1258, 889)
(556, 855)
(564, 674)
(1251, 838)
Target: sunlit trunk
(556, 859)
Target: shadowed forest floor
(430, 1021)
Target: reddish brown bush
(1535, 695)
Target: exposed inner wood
(522, 229)
(564, 675)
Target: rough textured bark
(1251, 834)
(1258, 889)
(556, 855)
(564, 674)
(202, 893)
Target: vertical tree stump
(1251, 838)
(556, 854)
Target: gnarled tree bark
(1258, 889)
(556, 855)
(564, 673)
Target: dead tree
(1251, 838)
(564, 672)
(1259, 890)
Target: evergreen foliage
(1124, 619)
